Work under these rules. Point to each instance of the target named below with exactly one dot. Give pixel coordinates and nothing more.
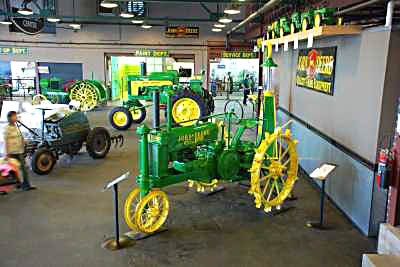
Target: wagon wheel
(130, 208)
(152, 212)
(37, 99)
(202, 186)
(274, 170)
(85, 93)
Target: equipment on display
(64, 132)
(297, 22)
(89, 93)
(190, 101)
(205, 153)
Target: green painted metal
(200, 153)
(296, 21)
(327, 15)
(284, 25)
(53, 89)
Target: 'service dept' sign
(239, 54)
(316, 69)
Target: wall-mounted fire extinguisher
(385, 164)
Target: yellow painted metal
(120, 119)
(130, 208)
(273, 177)
(85, 94)
(185, 111)
(317, 21)
(136, 113)
(292, 28)
(37, 99)
(202, 187)
(152, 212)
(304, 25)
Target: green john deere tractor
(284, 26)
(208, 152)
(89, 93)
(190, 101)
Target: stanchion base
(316, 225)
(276, 212)
(111, 243)
(135, 236)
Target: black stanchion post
(321, 218)
(116, 215)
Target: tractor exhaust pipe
(156, 110)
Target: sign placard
(316, 69)
(182, 32)
(239, 54)
(13, 50)
(151, 53)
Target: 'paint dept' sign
(316, 69)
(151, 53)
(238, 54)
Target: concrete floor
(64, 222)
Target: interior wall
(344, 128)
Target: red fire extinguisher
(385, 162)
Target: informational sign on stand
(316, 69)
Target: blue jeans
(21, 158)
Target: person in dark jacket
(246, 88)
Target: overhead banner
(182, 32)
(151, 53)
(239, 54)
(13, 50)
(316, 69)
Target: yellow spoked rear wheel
(274, 170)
(130, 208)
(37, 99)
(186, 111)
(152, 212)
(120, 119)
(85, 93)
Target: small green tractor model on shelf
(297, 22)
(190, 102)
(89, 93)
(206, 152)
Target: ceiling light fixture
(109, 4)
(5, 22)
(146, 26)
(232, 10)
(225, 20)
(25, 11)
(126, 15)
(216, 30)
(219, 25)
(53, 19)
(137, 21)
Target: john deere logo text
(194, 138)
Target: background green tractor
(269, 31)
(275, 29)
(190, 101)
(326, 16)
(54, 90)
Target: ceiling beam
(201, 1)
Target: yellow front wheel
(120, 118)
(274, 170)
(152, 212)
(130, 208)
